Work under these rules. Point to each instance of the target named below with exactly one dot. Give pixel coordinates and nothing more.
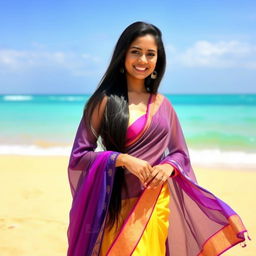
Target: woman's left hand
(159, 175)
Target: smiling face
(141, 57)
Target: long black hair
(116, 115)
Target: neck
(135, 85)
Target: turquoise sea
(219, 128)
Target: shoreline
(205, 158)
(36, 200)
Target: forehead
(145, 42)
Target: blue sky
(63, 47)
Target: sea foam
(17, 98)
(33, 150)
(206, 157)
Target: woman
(140, 196)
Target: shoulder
(103, 103)
(97, 114)
(100, 108)
(161, 96)
(166, 101)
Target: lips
(140, 69)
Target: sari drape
(199, 224)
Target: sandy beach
(35, 202)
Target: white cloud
(218, 55)
(223, 54)
(15, 61)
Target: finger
(149, 177)
(139, 176)
(142, 178)
(165, 178)
(162, 181)
(157, 179)
(143, 175)
(152, 176)
(148, 172)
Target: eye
(151, 54)
(135, 52)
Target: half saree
(185, 218)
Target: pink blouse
(137, 126)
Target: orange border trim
(224, 238)
(135, 224)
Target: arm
(91, 178)
(121, 160)
(85, 142)
(177, 154)
(83, 151)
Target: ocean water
(219, 128)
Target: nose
(143, 58)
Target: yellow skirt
(154, 236)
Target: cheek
(153, 61)
(127, 65)
(153, 64)
(128, 62)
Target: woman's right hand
(140, 168)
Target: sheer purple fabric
(196, 214)
(91, 176)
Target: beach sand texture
(35, 202)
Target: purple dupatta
(91, 176)
(200, 223)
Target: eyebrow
(136, 47)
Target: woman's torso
(137, 117)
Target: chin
(135, 75)
(141, 77)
